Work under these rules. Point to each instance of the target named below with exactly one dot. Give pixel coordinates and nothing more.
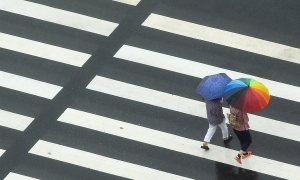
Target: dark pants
(244, 138)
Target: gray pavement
(270, 20)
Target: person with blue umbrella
(211, 89)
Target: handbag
(233, 120)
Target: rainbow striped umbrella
(246, 94)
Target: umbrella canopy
(246, 94)
(212, 87)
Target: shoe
(228, 140)
(238, 159)
(205, 147)
(248, 154)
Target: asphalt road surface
(105, 89)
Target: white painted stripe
(14, 121)
(176, 143)
(30, 86)
(14, 176)
(58, 16)
(200, 70)
(97, 162)
(1, 152)
(130, 2)
(224, 38)
(42, 50)
(184, 105)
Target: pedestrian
(215, 117)
(243, 134)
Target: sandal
(246, 155)
(238, 159)
(205, 147)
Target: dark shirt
(214, 112)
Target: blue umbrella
(213, 86)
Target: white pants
(212, 129)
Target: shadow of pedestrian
(225, 171)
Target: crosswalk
(18, 176)
(42, 50)
(222, 37)
(130, 2)
(191, 68)
(58, 16)
(14, 121)
(139, 117)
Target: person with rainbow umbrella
(244, 95)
